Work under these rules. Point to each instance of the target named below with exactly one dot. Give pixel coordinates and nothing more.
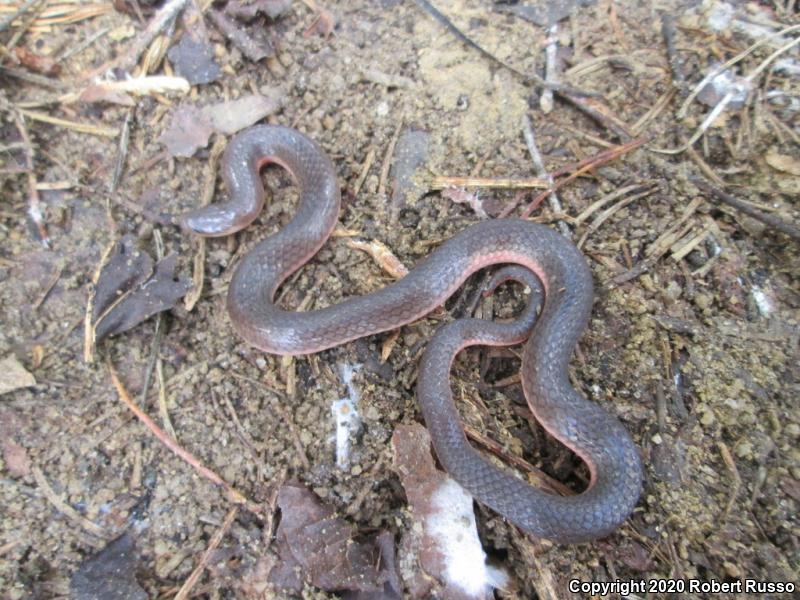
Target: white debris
(723, 84)
(452, 525)
(345, 415)
(763, 301)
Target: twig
(65, 508)
(84, 44)
(653, 111)
(598, 112)
(585, 166)
(387, 159)
(370, 158)
(75, 126)
(442, 182)
(737, 480)
(601, 202)
(668, 32)
(606, 214)
(41, 81)
(35, 8)
(541, 171)
(726, 99)
(530, 78)
(791, 230)
(199, 260)
(48, 288)
(122, 149)
(253, 50)
(159, 22)
(26, 6)
(550, 68)
(34, 206)
(232, 493)
(215, 541)
(542, 478)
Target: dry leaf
(128, 290)
(446, 545)
(13, 375)
(783, 162)
(189, 130)
(235, 115)
(316, 546)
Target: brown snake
(594, 435)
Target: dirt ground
(693, 341)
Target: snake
(592, 433)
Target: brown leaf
(189, 130)
(316, 546)
(128, 291)
(448, 548)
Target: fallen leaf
(316, 546)
(783, 162)
(128, 290)
(109, 574)
(13, 375)
(446, 545)
(189, 130)
(235, 115)
(190, 127)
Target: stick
(190, 582)
(34, 207)
(769, 220)
(532, 78)
(538, 163)
(160, 21)
(584, 166)
(21, 11)
(233, 494)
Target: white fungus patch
(345, 415)
(452, 525)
